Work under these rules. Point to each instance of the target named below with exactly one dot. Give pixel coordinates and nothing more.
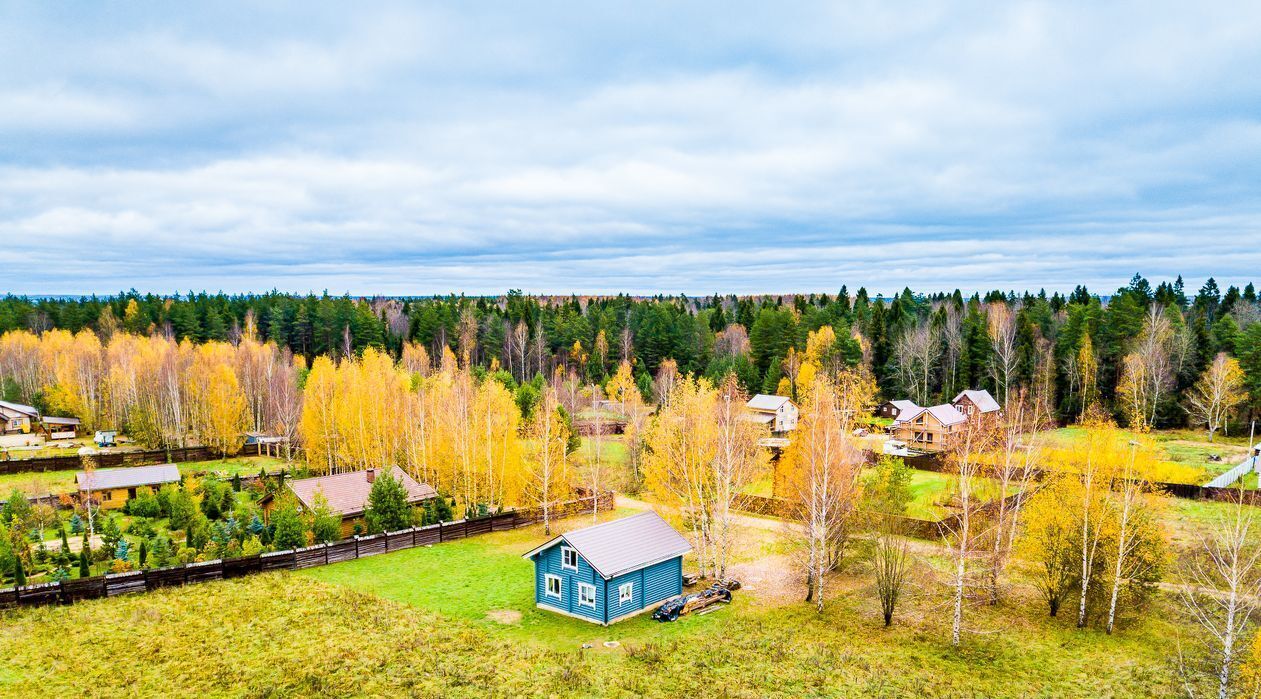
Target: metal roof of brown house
(347, 493)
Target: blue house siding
(549, 562)
(650, 585)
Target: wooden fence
(114, 584)
(115, 459)
(1188, 491)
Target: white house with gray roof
(777, 412)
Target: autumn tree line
(1139, 352)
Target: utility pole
(1252, 448)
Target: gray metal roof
(107, 478)
(19, 408)
(981, 399)
(623, 545)
(945, 413)
(60, 420)
(763, 401)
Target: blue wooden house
(610, 571)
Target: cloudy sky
(671, 147)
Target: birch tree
(549, 478)
(825, 469)
(1003, 357)
(1012, 470)
(966, 529)
(1222, 589)
(1216, 395)
(916, 354)
(737, 461)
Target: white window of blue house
(553, 585)
(586, 595)
(568, 558)
(625, 592)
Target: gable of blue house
(645, 567)
(548, 563)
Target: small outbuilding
(113, 487)
(610, 571)
(61, 427)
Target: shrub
(145, 505)
(120, 566)
(164, 497)
(142, 528)
(252, 546)
(289, 532)
(182, 509)
(85, 568)
(160, 551)
(325, 525)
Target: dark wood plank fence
(115, 584)
(118, 459)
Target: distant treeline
(1071, 349)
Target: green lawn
(482, 578)
(415, 623)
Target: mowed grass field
(458, 619)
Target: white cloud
(422, 150)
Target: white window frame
(547, 586)
(565, 551)
(626, 593)
(582, 593)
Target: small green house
(610, 571)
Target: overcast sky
(560, 147)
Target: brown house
(977, 404)
(928, 429)
(893, 408)
(113, 487)
(347, 493)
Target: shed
(610, 571)
(61, 427)
(113, 487)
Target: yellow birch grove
(443, 427)
(549, 480)
(218, 411)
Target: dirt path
(744, 520)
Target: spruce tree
(387, 505)
(85, 568)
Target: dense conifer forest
(923, 346)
